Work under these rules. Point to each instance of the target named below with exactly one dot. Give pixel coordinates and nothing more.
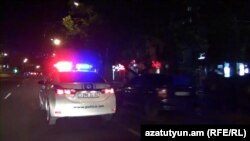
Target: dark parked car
(151, 93)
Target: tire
(50, 120)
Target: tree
(77, 23)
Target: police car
(75, 89)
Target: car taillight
(108, 91)
(162, 93)
(65, 91)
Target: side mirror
(41, 82)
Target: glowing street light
(76, 4)
(57, 42)
(53, 55)
(25, 60)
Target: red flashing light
(156, 64)
(63, 66)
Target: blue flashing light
(241, 69)
(84, 67)
(227, 71)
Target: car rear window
(68, 77)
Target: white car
(74, 90)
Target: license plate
(89, 94)
(182, 93)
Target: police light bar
(64, 66)
(68, 66)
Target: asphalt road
(8, 84)
(21, 119)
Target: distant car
(151, 93)
(32, 74)
(74, 90)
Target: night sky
(24, 22)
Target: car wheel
(50, 120)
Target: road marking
(134, 132)
(18, 85)
(7, 96)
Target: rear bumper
(69, 109)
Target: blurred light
(220, 66)
(242, 69)
(59, 91)
(156, 64)
(158, 71)
(108, 91)
(38, 66)
(63, 66)
(5, 54)
(133, 62)
(25, 60)
(53, 55)
(226, 70)
(166, 66)
(83, 66)
(57, 42)
(15, 70)
(118, 67)
(76, 4)
(202, 56)
(246, 70)
(162, 93)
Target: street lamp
(56, 41)
(76, 3)
(5, 54)
(25, 60)
(38, 66)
